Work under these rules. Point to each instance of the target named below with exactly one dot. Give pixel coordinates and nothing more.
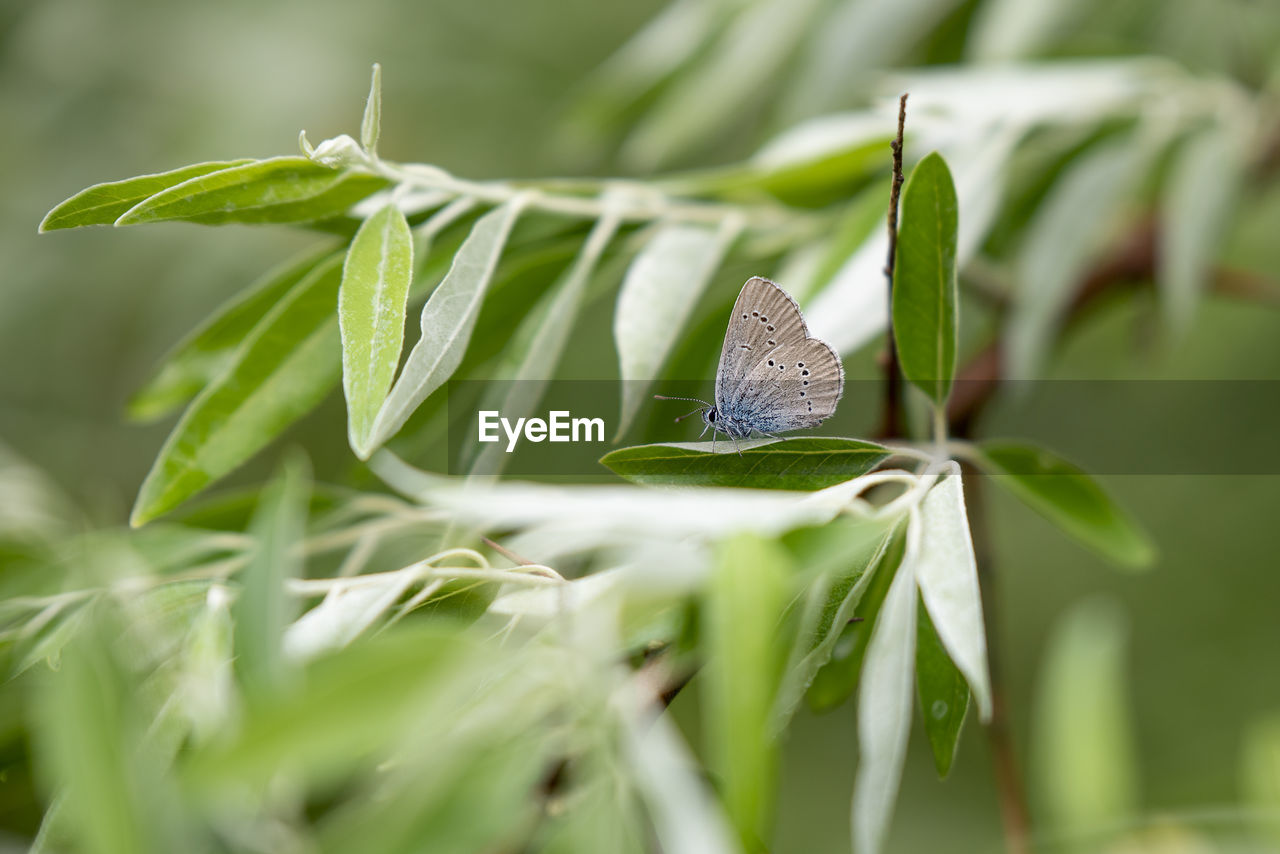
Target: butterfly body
(772, 376)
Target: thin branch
(893, 385)
(639, 202)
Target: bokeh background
(93, 90)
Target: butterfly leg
(735, 444)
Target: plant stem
(893, 386)
(635, 202)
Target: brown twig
(507, 553)
(893, 384)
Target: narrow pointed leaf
(282, 189)
(661, 288)
(540, 341)
(211, 347)
(447, 320)
(371, 124)
(263, 609)
(836, 680)
(1203, 183)
(884, 711)
(371, 313)
(948, 576)
(1084, 746)
(856, 547)
(747, 596)
(1070, 499)
(103, 204)
(925, 320)
(944, 695)
(284, 368)
(806, 462)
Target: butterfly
(772, 376)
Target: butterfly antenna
(691, 399)
(687, 414)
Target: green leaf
(281, 189)
(944, 694)
(1203, 183)
(746, 599)
(835, 681)
(1084, 746)
(102, 204)
(658, 295)
(210, 348)
(844, 554)
(925, 318)
(1071, 223)
(371, 123)
(947, 572)
(87, 726)
(284, 368)
(348, 705)
(263, 608)
(1066, 496)
(884, 710)
(539, 343)
(447, 320)
(799, 168)
(806, 462)
(371, 312)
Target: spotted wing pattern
(797, 385)
(773, 376)
(764, 317)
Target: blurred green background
(95, 91)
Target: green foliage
(944, 695)
(356, 671)
(285, 366)
(925, 324)
(371, 312)
(209, 349)
(262, 609)
(745, 601)
(447, 320)
(803, 463)
(836, 680)
(282, 189)
(1069, 498)
(103, 204)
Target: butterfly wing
(764, 317)
(797, 386)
